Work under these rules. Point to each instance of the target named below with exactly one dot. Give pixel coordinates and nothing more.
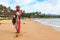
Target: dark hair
(17, 6)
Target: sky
(44, 6)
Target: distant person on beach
(16, 18)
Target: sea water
(53, 22)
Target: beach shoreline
(50, 22)
(30, 30)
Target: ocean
(53, 22)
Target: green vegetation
(39, 15)
(5, 18)
(8, 12)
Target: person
(16, 18)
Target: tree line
(8, 12)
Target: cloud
(13, 3)
(4, 2)
(45, 6)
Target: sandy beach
(30, 30)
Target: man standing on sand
(17, 15)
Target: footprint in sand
(23, 23)
(0, 23)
